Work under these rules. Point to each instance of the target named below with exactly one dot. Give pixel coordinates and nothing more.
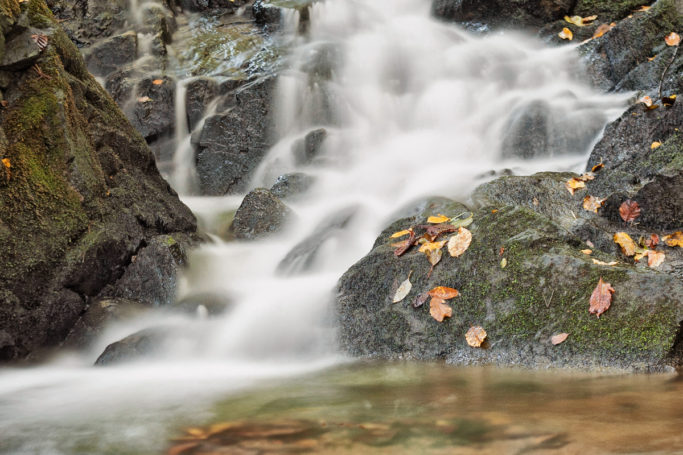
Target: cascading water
(412, 108)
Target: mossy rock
(543, 289)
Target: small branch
(661, 81)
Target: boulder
(522, 14)
(306, 150)
(289, 186)
(134, 347)
(221, 6)
(110, 54)
(21, 51)
(260, 214)
(200, 92)
(153, 113)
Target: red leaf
(405, 245)
(629, 210)
(601, 299)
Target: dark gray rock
(259, 215)
(266, 14)
(110, 54)
(21, 51)
(134, 347)
(153, 114)
(291, 185)
(232, 143)
(647, 76)
(501, 13)
(306, 150)
(220, 6)
(199, 94)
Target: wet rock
(89, 20)
(232, 143)
(544, 289)
(646, 77)
(21, 51)
(153, 114)
(291, 185)
(266, 14)
(110, 54)
(134, 347)
(203, 5)
(260, 214)
(307, 149)
(499, 13)
(200, 92)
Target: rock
(222, 5)
(153, 113)
(21, 51)
(500, 13)
(200, 92)
(260, 214)
(646, 76)
(232, 143)
(84, 195)
(88, 20)
(134, 347)
(544, 289)
(306, 150)
(607, 10)
(291, 185)
(266, 14)
(110, 54)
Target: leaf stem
(661, 81)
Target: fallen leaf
(158, 81)
(641, 9)
(602, 29)
(559, 338)
(535, 202)
(640, 254)
(144, 99)
(40, 40)
(655, 258)
(400, 233)
(649, 59)
(181, 448)
(494, 211)
(597, 167)
(434, 231)
(601, 298)
(629, 210)
(672, 39)
(420, 299)
(628, 246)
(652, 242)
(590, 244)
(647, 101)
(459, 242)
(669, 101)
(4, 103)
(611, 264)
(439, 310)
(433, 256)
(462, 220)
(437, 219)
(443, 292)
(475, 336)
(592, 203)
(431, 246)
(405, 245)
(574, 184)
(587, 251)
(566, 34)
(503, 263)
(655, 145)
(403, 290)
(6, 162)
(501, 251)
(675, 239)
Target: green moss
(607, 10)
(39, 14)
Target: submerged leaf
(559, 338)
(463, 220)
(475, 336)
(459, 243)
(628, 246)
(443, 292)
(403, 290)
(629, 210)
(601, 298)
(439, 310)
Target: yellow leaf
(459, 242)
(400, 233)
(158, 81)
(628, 246)
(7, 163)
(503, 263)
(675, 239)
(597, 167)
(655, 144)
(434, 256)
(592, 203)
(587, 251)
(403, 290)
(475, 336)
(611, 264)
(437, 219)
(566, 34)
(655, 258)
(439, 310)
(574, 184)
(431, 246)
(580, 21)
(672, 39)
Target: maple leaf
(566, 34)
(439, 310)
(672, 39)
(437, 219)
(459, 243)
(443, 292)
(475, 336)
(629, 210)
(675, 239)
(655, 258)
(628, 246)
(574, 184)
(400, 233)
(559, 338)
(601, 298)
(592, 203)
(403, 290)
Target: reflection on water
(435, 409)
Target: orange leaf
(655, 258)
(629, 210)
(7, 163)
(649, 59)
(587, 251)
(672, 39)
(144, 99)
(439, 310)
(628, 246)
(592, 203)
(641, 9)
(597, 167)
(669, 101)
(566, 34)
(437, 219)
(652, 242)
(475, 336)
(602, 29)
(559, 338)
(459, 242)
(574, 184)
(158, 81)
(401, 233)
(675, 239)
(647, 101)
(431, 246)
(601, 299)
(443, 292)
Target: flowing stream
(413, 108)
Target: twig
(661, 81)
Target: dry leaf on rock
(655, 144)
(672, 39)
(587, 251)
(629, 210)
(439, 310)
(655, 258)
(401, 233)
(601, 299)
(675, 239)
(475, 336)
(611, 264)
(443, 292)
(459, 242)
(503, 263)
(574, 184)
(6, 162)
(559, 338)
(651, 242)
(628, 246)
(602, 29)
(592, 203)
(669, 101)
(420, 300)
(597, 167)
(403, 290)
(437, 219)
(144, 99)
(434, 231)
(580, 21)
(647, 101)
(405, 245)
(566, 34)
(158, 81)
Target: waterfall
(412, 108)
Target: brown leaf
(669, 101)
(420, 299)
(405, 245)
(602, 29)
(592, 203)
(40, 40)
(439, 310)
(566, 34)
(443, 292)
(433, 231)
(601, 299)
(433, 256)
(672, 39)
(475, 336)
(629, 210)
(459, 243)
(437, 219)
(652, 242)
(574, 184)
(675, 239)
(559, 338)
(4, 103)
(597, 167)
(628, 246)
(158, 81)
(655, 258)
